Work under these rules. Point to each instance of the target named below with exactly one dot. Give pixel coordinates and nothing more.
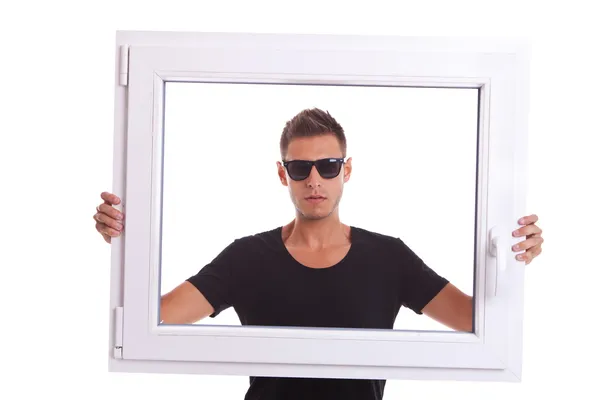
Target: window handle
(496, 246)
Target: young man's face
(312, 149)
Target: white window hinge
(118, 349)
(124, 65)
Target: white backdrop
(414, 152)
(56, 159)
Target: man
(316, 271)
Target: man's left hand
(532, 244)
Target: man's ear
(347, 169)
(281, 173)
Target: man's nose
(314, 179)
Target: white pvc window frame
(145, 61)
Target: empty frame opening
(414, 176)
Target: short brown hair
(311, 122)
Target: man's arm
(208, 292)
(184, 305)
(452, 308)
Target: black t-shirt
(259, 278)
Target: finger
(110, 198)
(533, 253)
(534, 235)
(107, 238)
(529, 219)
(523, 257)
(530, 254)
(527, 230)
(102, 228)
(526, 257)
(527, 244)
(110, 211)
(108, 221)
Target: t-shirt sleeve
(419, 283)
(216, 280)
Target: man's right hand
(109, 220)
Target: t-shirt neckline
(288, 255)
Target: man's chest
(351, 294)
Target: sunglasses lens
(329, 169)
(299, 170)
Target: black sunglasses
(328, 168)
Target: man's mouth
(315, 199)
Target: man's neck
(316, 235)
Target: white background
(56, 157)
(414, 152)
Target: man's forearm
(467, 313)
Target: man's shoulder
(374, 237)
(258, 239)
(260, 235)
(386, 244)
(382, 244)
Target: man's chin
(314, 216)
